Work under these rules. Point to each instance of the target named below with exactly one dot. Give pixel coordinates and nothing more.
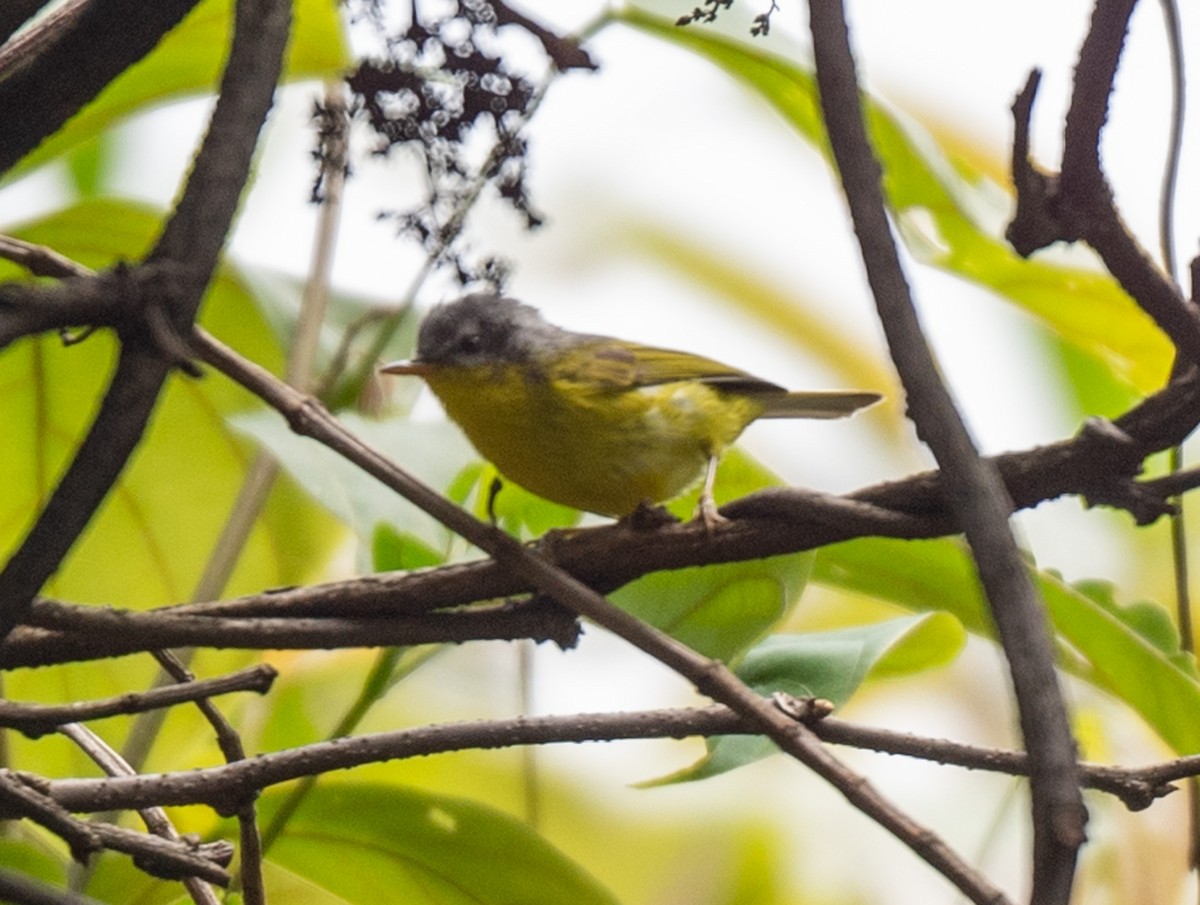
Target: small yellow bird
(592, 422)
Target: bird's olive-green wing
(625, 365)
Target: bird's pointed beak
(414, 367)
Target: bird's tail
(834, 404)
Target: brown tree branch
(218, 786)
(1078, 203)
(25, 795)
(973, 487)
(20, 798)
(250, 871)
(155, 818)
(35, 720)
(68, 633)
(166, 858)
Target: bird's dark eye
(470, 342)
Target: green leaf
(832, 666)
(920, 575)
(188, 62)
(347, 316)
(90, 163)
(375, 843)
(1091, 386)
(720, 610)
(433, 451)
(1131, 652)
(803, 322)
(25, 850)
(395, 551)
(519, 512)
(950, 216)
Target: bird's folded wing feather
(628, 365)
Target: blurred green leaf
(347, 316)
(395, 551)
(949, 216)
(433, 451)
(21, 851)
(188, 62)
(720, 610)
(519, 512)
(376, 843)
(921, 575)
(1134, 653)
(832, 666)
(89, 164)
(1090, 385)
(800, 321)
(1131, 652)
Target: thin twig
(40, 260)
(1166, 240)
(155, 818)
(230, 742)
(38, 719)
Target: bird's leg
(493, 491)
(706, 508)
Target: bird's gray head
(482, 328)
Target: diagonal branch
(973, 487)
(155, 818)
(16, 13)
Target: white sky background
(661, 134)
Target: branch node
(803, 710)
(1035, 223)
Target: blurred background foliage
(894, 633)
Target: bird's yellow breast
(596, 447)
